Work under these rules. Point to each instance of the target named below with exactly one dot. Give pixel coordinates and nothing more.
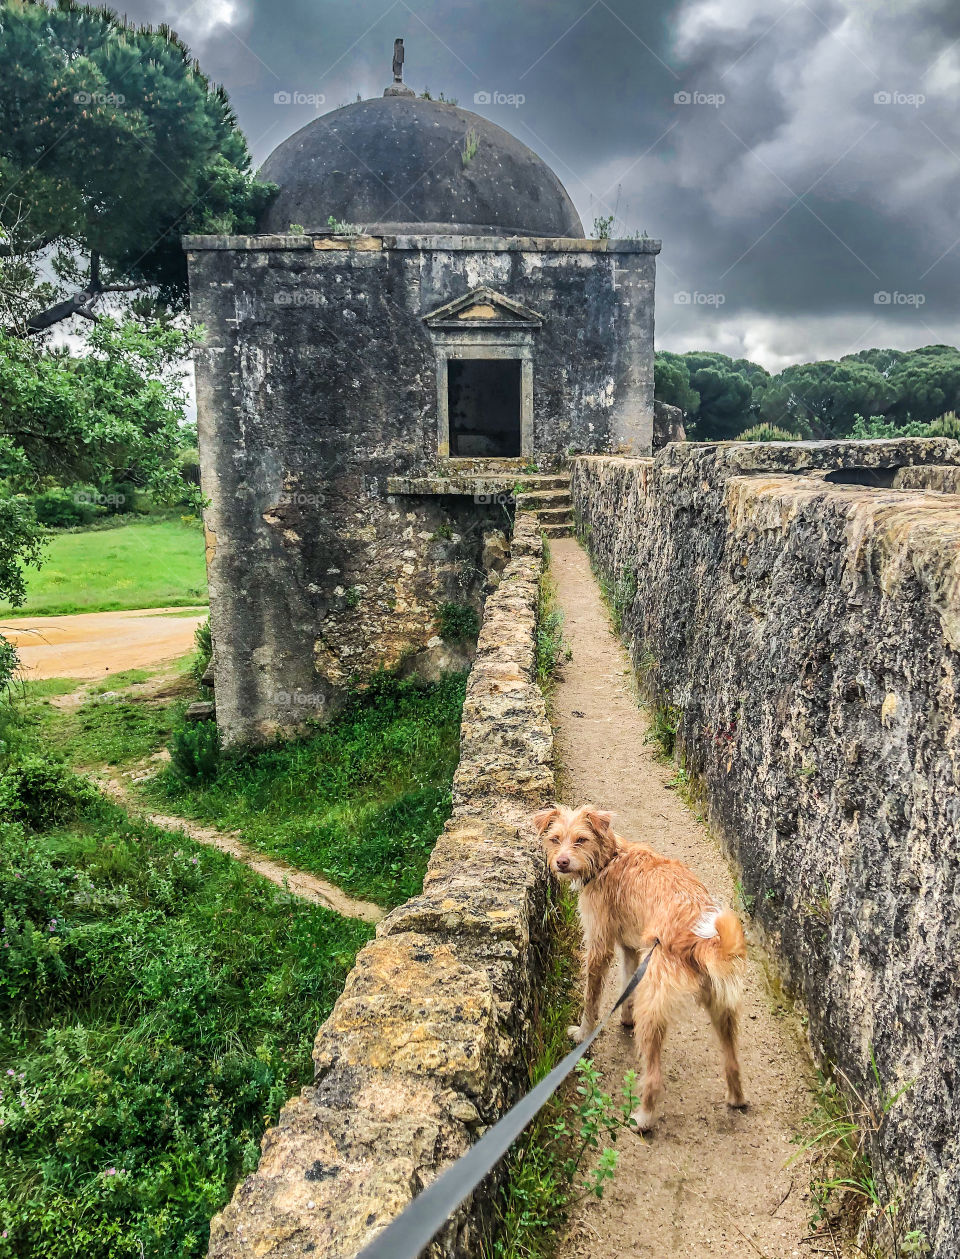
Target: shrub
(120, 498)
(188, 465)
(41, 792)
(195, 751)
(768, 433)
(458, 622)
(203, 639)
(60, 508)
(946, 426)
(157, 1005)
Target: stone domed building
(396, 165)
(419, 324)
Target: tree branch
(10, 249)
(81, 303)
(59, 311)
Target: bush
(188, 465)
(195, 751)
(767, 433)
(60, 508)
(458, 622)
(157, 1005)
(946, 426)
(41, 792)
(204, 643)
(120, 498)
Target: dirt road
(709, 1180)
(92, 645)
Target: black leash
(416, 1226)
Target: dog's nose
(563, 863)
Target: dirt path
(297, 882)
(708, 1180)
(92, 645)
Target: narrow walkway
(708, 1181)
(308, 887)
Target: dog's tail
(720, 952)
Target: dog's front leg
(596, 963)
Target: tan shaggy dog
(630, 896)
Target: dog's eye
(581, 839)
(554, 839)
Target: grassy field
(150, 563)
(158, 1000)
(361, 801)
(157, 1006)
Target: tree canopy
(113, 144)
(109, 414)
(722, 397)
(715, 392)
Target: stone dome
(404, 164)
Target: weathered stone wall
(317, 380)
(427, 1045)
(806, 633)
(941, 479)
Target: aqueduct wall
(427, 1044)
(800, 622)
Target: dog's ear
(543, 819)
(600, 820)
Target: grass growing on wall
(552, 650)
(361, 801)
(568, 1151)
(157, 1006)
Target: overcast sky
(800, 160)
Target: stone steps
(541, 482)
(534, 500)
(562, 515)
(548, 497)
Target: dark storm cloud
(799, 158)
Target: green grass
(106, 730)
(361, 801)
(157, 1006)
(567, 1153)
(146, 564)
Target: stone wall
(802, 623)
(427, 1045)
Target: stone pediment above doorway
(483, 308)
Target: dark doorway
(483, 400)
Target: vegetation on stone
(458, 622)
(767, 433)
